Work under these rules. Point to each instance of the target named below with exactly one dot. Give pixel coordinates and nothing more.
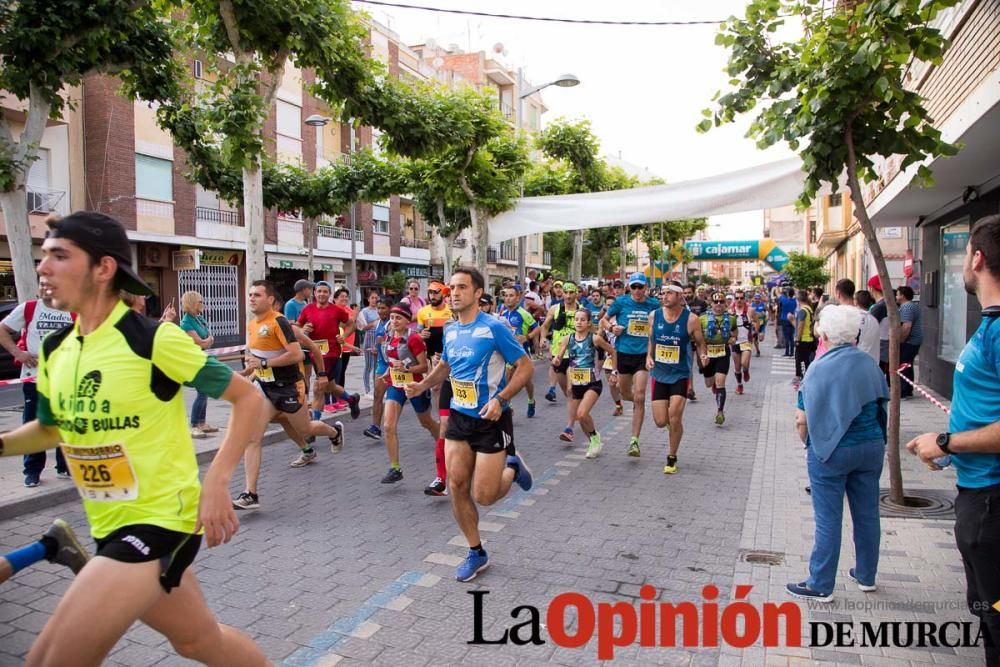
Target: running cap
(569, 286)
(618, 283)
(303, 284)
(323, 283)
(637, 279)
(102, 236)
(402, 312)
(718, 298)
(486, 300)
(875, 283)
(438, 287)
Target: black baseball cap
(100, 236)
(486, 300)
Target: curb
(68, 492)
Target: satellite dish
(438, 61)
(499, 48)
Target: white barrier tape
(4, 383)
(216, 351)
(921, 390)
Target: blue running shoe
(474, 563)
(550, 395)
(531, 408)
(373, 432)
(355, 404)
(522, 474)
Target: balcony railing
(491, 255)
(43, 200)
(414, 243)
(507, 111)
(547, 258)
(460, 243)
(216, 215)
(339, 233)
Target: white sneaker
(198, 434)
(303, 460)
(369, 396)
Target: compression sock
(307, 450)
(439, 459)
(25, 556)
(720, 398)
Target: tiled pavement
(338, 569)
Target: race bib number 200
(103, 473)
(638, 328)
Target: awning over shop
(301, 262)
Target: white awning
(756, 188)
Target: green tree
(806, 271)
(48, 46)
(395, 282)
(838, 95)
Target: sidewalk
(15, 499)
(920, 575)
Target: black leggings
(805, 352)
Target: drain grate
(920, 504)
(759, 557)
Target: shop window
(154, 178)
(954, 299)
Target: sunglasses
(414, 288)
(637, 287)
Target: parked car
(8, 369)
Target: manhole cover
(762, 557)
(920, 504)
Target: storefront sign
(217, 257)
(186, 260)
(285, 264)
(367, 276)
(417, 271)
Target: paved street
(338, 569)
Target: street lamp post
(319, 121)
(563, 81)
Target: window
(812, 231)
(154, 178)
(289, 120)
(836, 200)
(954, 300)
(380, 217)
(535, 238)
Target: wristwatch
(263, 363)
(504, 403)
(944, 442)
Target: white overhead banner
(766, 186)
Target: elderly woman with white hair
(841, 417)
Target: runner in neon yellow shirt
(109, 392)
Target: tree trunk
(600, 267)
(14, 202)
(481, 238)
(15, 215)
(253, 213)
(896, 494)
(576, 268)
(622, 249)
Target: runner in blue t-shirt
(760, 306)
(378, 334)
(631, 314)
(972, 437)
(525, 330)
(479, 447)
(673, 329)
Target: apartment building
(963, 97)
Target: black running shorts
(716, 365)
(285, 397)
(629, 364)
(482, 435)
(579, 390)
(663, 391)
(563, 366)
(142, 543)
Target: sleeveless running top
(744, 325)
(671, 348)
(581, 352)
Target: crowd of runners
(109, 395)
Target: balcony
(338, 239)
(42, 201)
(414, 243)
(219, 224)
(217, 215)
(506, 110)
(460, 243)
(417, 250)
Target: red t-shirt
(415, 344)
(326, 326)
